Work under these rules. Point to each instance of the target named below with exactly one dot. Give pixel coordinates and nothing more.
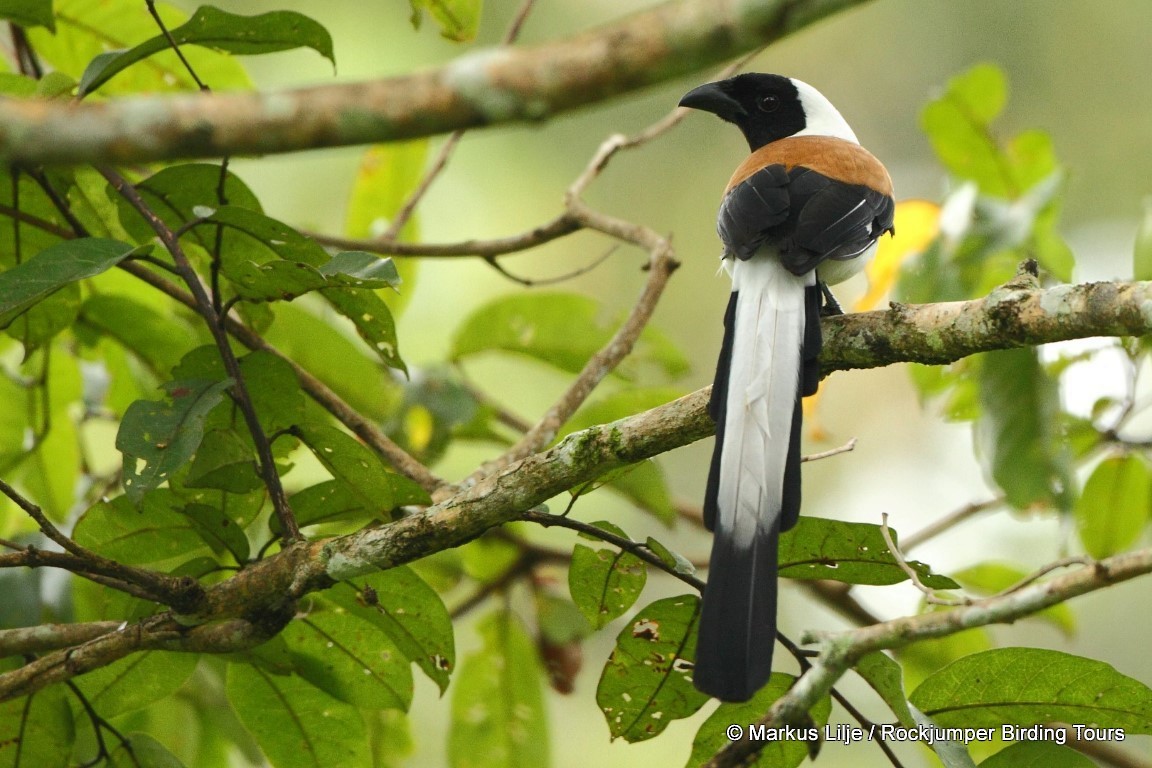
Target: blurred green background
(1078, 69)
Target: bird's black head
(764, 107)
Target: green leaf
(218, 530)
(989, 578)
(952, 754)
(157, 340)
(347, 658)
(353, 464)
(647, 682)
(1025, 686)
(923, 659)
(498, 716)
(854, 553)
(326, 502)
(605, 582)
(272, 387)
(136, 681)
(957, 124)
(1017, 431)
(155, 532)
(561, 329)
(213, 28)
(53, 268)
(386, 177)
(255, 273)
(224, 461)
(1142, 249)
(410, 613)
(1037, 754)
(43, 321)
(458, 19)
(86, 29)
(885, 676)
(142, 751)
(782, 753)
(176, 192)
(37, 731)
(674, 560)
(29, 13)
(361, 270)
(159, 437)
(296, 724)
(559, 620)
(1112, 510)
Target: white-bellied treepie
(804, 210)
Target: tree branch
(1029, 315)
(481, 88)
(840, 651)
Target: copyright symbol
(734, 733)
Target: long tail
(768, 362)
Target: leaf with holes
(605, 582)
(213, 28)
(782, 753)
(347, 658)
(159, 437)
(854, 553)
(647, 682)
(353, 464)
(409, 612)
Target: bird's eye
(768, 103)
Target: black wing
(807, 216)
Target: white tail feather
(762, 390)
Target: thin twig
(34, 221)
(174, 45)
(627, 545)
(839, 651)
(1043, 571)
(846, 448)
(216, 326)
(929, 593)
(946, 523)
(529, 282)
(558, 227)
(445, 154)
(79, 559)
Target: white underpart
(761, 394)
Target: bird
(804, 210)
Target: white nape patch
(821, 118)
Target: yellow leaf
(916, 222)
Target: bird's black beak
(710, 97)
